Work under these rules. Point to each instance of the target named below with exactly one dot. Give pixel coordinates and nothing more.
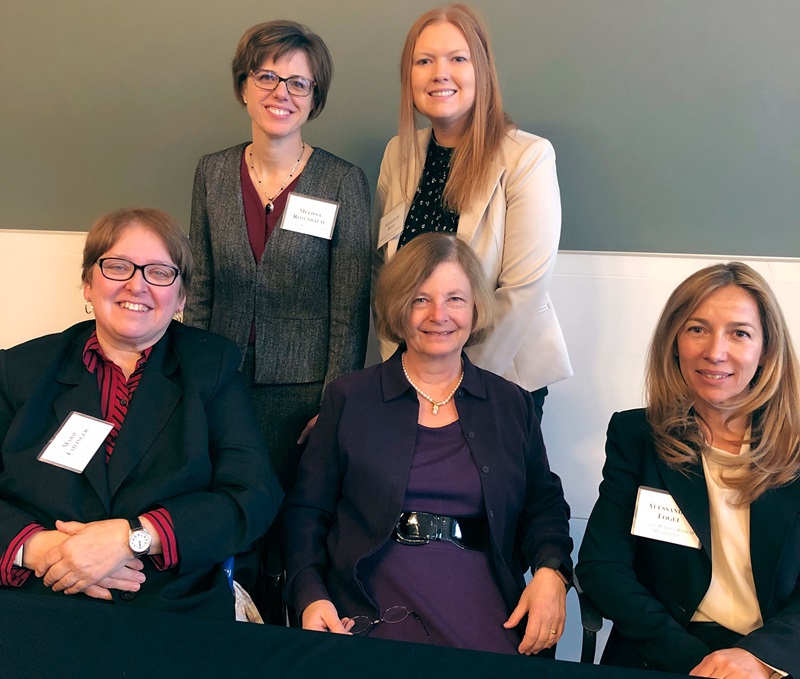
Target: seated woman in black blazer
(180, 475)
(425, 493)
(693, 547)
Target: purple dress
(452, 590)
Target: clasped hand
(92, 558)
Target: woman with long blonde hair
(474, 173)
(693, 547)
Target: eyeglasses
(295, 84)
(116, 269)
(391, 616)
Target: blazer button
(471, 434)
(491, 513)
(485, 469)
(127, 596)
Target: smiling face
(133, 315)
(276, 113)
(442, 312)
(443, 79)
(720, 348)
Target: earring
(88, 308)
(178, 316)
(245, 101)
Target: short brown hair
(413, 264)
(772, 403)
(108, 229)
(276, 39)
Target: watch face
(139, 541)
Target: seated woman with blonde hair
(425, 493)
(709, 583)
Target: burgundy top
(260, 223)
(452, 590)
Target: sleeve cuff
(11, 575)
(162, 522)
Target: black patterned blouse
(427, 213)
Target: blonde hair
(772, 403)
(400, 280)
(487, 122)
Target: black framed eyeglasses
(295, 84)
(391, 616)
(117, 269)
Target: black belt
(419, 528)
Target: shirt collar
(395, 384)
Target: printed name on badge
(75, 442)
(391, 224)
(658, 517)
(311, 216)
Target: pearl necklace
(270, 207)
(436, 404)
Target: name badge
(391, 224)
(75, 442)
(311, 216)
(658, 517)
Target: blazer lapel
(691, 494)
(772, 517)
(470, 219)
(83, 397)
(150, 409)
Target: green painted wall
(676, 122)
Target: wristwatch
(139, 539)
(564, 572)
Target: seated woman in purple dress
(425, 493)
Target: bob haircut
(400, 280)
(277, 39)
(107, 230)
(487, 123)
(772, 403)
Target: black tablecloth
(63, 638)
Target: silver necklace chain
(270, 207)
(436, 404)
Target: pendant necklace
(436, 404)
(270, 207)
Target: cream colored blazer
(513, 225)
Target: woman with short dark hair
(280, 236)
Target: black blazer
(651, 589)
(189, 444)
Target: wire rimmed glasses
(391, 616)
(295, 84)
(118, 269)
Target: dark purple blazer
(353, 476)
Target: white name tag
(311, 216)
(658, 517)
(75, 442)
(391, 224)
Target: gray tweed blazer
(309, 296)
